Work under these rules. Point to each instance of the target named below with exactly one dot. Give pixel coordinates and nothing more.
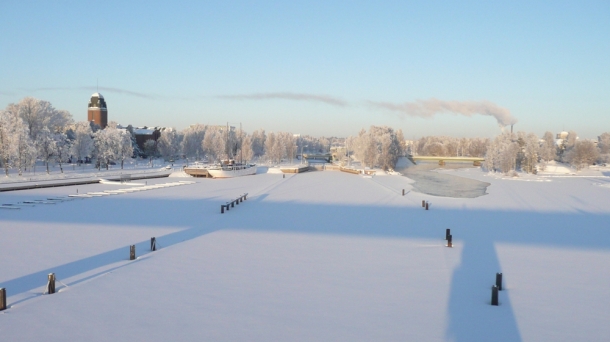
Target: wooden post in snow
(132, 252)
(499, 281)
(2, 299)
(51, 284)
(494, 295)
(153, 244)
(450, 241)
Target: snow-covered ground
(313, 256)
(73, 171)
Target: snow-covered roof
(143, 131)
(98, 95)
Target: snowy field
(319, 256)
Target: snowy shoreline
(313, 256)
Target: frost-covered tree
(508, 156)
(290, 145)
(548, 149)
(380, 146)
(246, 149)
(37, 115)
(82, 146)
(45, 144)
(62, 149)
(26, 149)
(502, 153)
(477, 147)
(371, 152)
(582, 154)
(215, 144)
(566, 145)
(107, 144)
(150, 149)
(192, 141)
(531, 152)
(8, 151)
(492, 155)
(603, 144)
(137, 152)
(125, 148)
(269, 143)
(258, 142)
(168, 143)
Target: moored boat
(230, 169)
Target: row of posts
(494, 289)
(153, 247)
(51, 277)
(425, 204)
(233, 203)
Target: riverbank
(429, 182)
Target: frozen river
(434, 183)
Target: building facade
(98, 112)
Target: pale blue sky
(314, 67)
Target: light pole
(302, 152)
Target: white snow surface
(318, 256)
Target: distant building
(143, 134)
(562, 135)
(98, 112)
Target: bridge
(326, 157)
(476, 161)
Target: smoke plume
(287, 96)
(431, 107)
(96, 89)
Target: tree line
(527, 152)
(33, 130)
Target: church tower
(98, 113)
